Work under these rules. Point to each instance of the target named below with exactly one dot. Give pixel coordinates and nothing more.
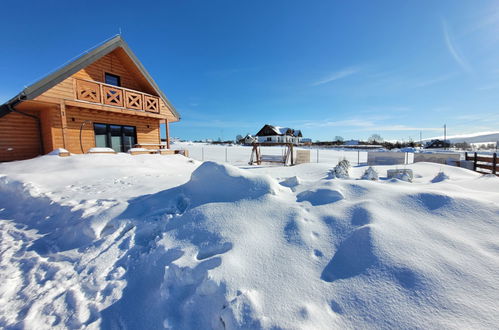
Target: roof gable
(115, 44)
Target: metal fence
(240, 155)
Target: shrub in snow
(400, 174)
(404, 176)
(341, 170)
(370, 174)
(441, 176)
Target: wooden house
(436, 144)
(104, 98)
(276, 134)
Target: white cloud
(458, 57)
(337, 75)
(339, 123)
(400, 128)
(434, 80)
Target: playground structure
(286, 159)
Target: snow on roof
(279, 130)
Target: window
(112, 79)
(117, 137)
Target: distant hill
(470, 138)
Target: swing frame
(257, 157)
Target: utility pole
(445, 136)
(421, 139)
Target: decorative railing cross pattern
(97, 92)
(88, 92)
(151, 104)
(133, 100)
(113, 96)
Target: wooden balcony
(97, 92)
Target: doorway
(120, 138)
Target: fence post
(226, 154)
(494, 163)
(202, 154)
(474, 162)
(358, 157)
(317, 156)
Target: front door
(117, 137)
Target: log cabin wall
(47, 118)
(116, 63)
(147, 129)
(111, 63)
(19, 137)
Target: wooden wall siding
(111, 63)
(144, 134)
(20, 133)
(47, 130)
(63, 90)
(116, 62)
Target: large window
(117, 137)
(112, 79)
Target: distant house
(249, 139)
(434, 144)
(277, 134)
(104, 98)
(351, 143)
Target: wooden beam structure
(167, 131)
(258, 158)
(64, 123)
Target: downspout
(10, 107)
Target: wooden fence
(483, 163)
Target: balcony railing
(96, 92)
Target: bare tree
(375, 138)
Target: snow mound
(137, 149)
(291, 182)
(319, 196)
(58, 151)
(98, 150)
(214, 182)
(158, 242)
(210, 183)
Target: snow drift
(162, 242)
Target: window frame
(118, 78)
(122, 135)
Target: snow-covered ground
(151, 242)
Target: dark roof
(83, 61)
(269, 130)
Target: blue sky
(348, 68)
